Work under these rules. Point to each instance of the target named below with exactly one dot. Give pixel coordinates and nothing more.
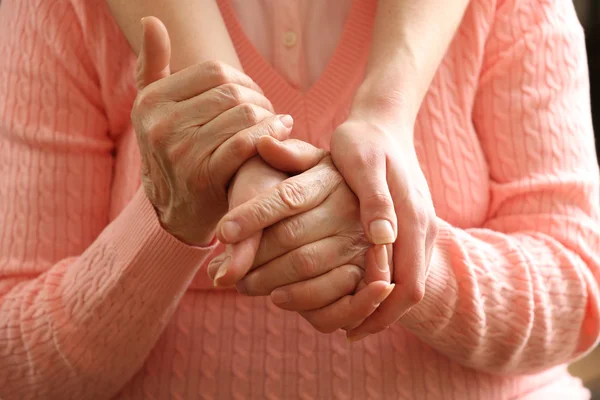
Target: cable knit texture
(98, 302)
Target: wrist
(203, 236)
(393, 104)
(386, 114)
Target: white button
(289, 39)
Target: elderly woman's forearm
(82, 301)
(522, 294)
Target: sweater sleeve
(82, 300)
(520, 294)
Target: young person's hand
(378, 162)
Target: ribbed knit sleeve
(521, 294)
(82, 302)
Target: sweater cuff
(147, 249)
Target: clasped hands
(294, 232)
(212, 161)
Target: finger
(199, 78)
(208, 105)
(240, 147)
(377, 266)
(293, 155)
(409, 277)
(155, 53)
(214, 265)
(306, 262)
(366, 176)
(237, 262)
(299, 230)
(353, 325)
(293, 196)
(318, 292)
(349, 309)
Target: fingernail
(287, 121)
(381, 258)
(280, 296)
(212, 268)
(381, 232)
(222, 271)
(358, 337)
(230, 231)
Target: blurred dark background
(588, 369)
(589, 13)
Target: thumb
(370, 185)
(292, 155)
(155, 53)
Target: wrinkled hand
(379, 163)
(195, 129)
(313, 249)
(254, 177)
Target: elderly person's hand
(314, 259)
(253, 178)
(195, 129)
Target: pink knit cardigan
(97, 301)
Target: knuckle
(157, 133)
(272, 128)
(305, 262)
(349, 277)
(291, 194)
(242, 146)
(366, 158)
(290, 230)
(217, 70)
(146, 100)
(262, 212)
(355, 243)
(416, 294)
(380, 201)
(342, 135)
(249, 113)
(234, 92)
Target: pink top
(96, 300)
(296, 37)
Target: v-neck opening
(345, 63)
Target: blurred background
(589, 14)
(588, 369)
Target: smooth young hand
(378, 161)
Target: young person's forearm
(192, 39)
(410, 38)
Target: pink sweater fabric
(98, 302)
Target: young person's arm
(374, 150)
(196, 27)
(410, 39)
